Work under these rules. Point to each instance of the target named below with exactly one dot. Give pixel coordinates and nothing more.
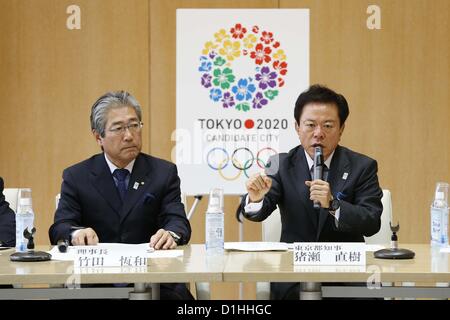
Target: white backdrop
(239, 73)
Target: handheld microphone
(318, 169)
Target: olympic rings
(248, 163)
(245, 171)
(226, 159)
(245, 165)
(259, 153)
(227, 178)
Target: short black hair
(320, 93)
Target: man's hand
(84, 237)
(257, 186)
(162, 240)
(319, 190)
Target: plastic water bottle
(439, 215)
(214, 224)
(24, 219)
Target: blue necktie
(121, 176)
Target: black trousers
(291, 290)
(167, 291)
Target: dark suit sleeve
(363, 215)
(172, 215)
(271, 198)
(7, 221)
(68, 213)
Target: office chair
(383, 236)
(12, 195)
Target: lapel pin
(345, 175)
(136, 185)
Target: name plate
(96, 256)
(329, 254)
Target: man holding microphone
(336, 198)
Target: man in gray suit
(349, 195)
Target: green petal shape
(243, 107)
(271, 94)
(219, 61)
(217, 72)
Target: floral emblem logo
(254, 91)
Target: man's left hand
(162, 240)
(319, 190)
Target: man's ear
(341, 130)
(97, 137)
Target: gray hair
(108, 101)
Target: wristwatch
(334, 205)
(175, 237)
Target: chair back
(12, 196)
(271, 227)
(384, 235)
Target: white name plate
(329, 253)
(96, 256)
(109, 270)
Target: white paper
(165, 254)
(256, 246)
(329, 253)
(445, 250)
(149, 252)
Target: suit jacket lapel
(103, 181)
(300, 174)
(339, 165)
(139, 182)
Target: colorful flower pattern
(237, 93)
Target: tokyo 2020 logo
(255, 90)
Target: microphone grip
(318, 170)
(318, 174)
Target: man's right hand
(257, 186)
(84, 237)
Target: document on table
(256, 246)
(142, 247)
(278, 246)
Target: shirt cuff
(73, 234)
(337, 214)
(252, 207)
(175, 236)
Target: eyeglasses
(133, 127)
(310, 126)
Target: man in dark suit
(122, 195)
(7, 221)
(349, 195)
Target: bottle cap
(215, 200)
(25, 202)
(439, 195)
